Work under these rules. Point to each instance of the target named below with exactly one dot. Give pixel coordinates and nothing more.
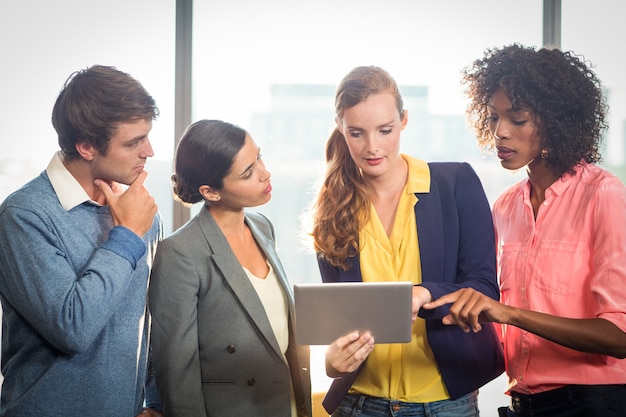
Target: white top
(277, 311)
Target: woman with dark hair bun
(222, 308)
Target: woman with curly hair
(561, 235)
(385, 216)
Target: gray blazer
(213, 348)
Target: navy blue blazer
(457, 250)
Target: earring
(544, 153)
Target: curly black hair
(558, 88)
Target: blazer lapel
(429, 220)
(263, 237)
(235, 277)
(268, 247)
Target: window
(602, 25)
(272, 67)
(43, 43)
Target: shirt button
(251, 381)
(230, 349)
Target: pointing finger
(446, 299)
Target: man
(76, 246)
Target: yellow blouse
(403, 371)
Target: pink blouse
(569, 262)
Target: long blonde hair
(342, 203)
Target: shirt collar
(69, 191)
(559, 186)
(418, 180)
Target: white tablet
(326, 311)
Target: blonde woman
(382, 215)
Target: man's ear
(209, 193)
(85, 150)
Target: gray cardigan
(214, 350)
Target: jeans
(354, 405)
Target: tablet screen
(325, 312)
